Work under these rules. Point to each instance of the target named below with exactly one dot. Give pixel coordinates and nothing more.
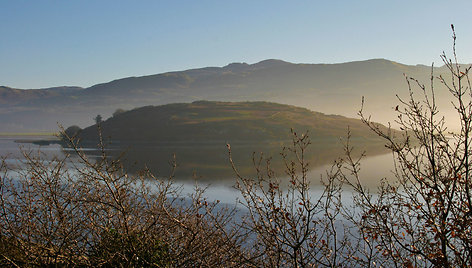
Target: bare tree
(423, 217)
(290, 227)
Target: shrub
(423, 217)
(93, 213)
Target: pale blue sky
(53, 43)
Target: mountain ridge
(328, 88)
(265, 63)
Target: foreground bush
(424, 216)
(92, 213)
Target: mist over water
(372, 169)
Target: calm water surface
(373, 168)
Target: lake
(220, 183)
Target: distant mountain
(328, 88)
(12, 96)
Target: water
(373, 168)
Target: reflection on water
(372, 170)
(208, 164)
(12, 151)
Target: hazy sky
(53, 43)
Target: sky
(82, 43)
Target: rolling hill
(220, 122)
(197, 133)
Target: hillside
(328, 88)
(223, 121)
(197, 133)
